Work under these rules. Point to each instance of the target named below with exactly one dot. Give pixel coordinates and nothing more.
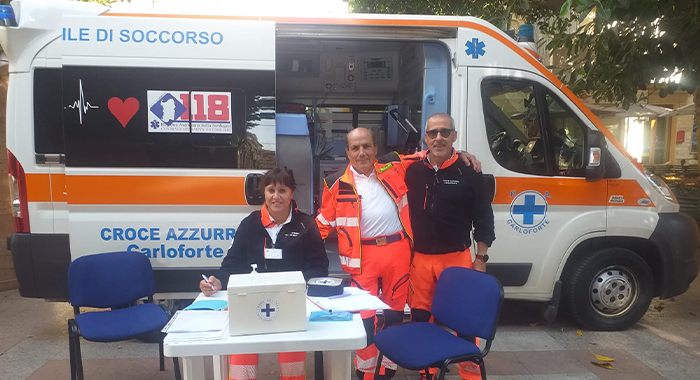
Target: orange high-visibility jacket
(340, 208)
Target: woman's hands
(206, 288)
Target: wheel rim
(613, 291)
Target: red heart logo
(123, 110)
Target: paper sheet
(220, 295)
(357, 302)
(209, 304)
(191, 321)
(195, 336)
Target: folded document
(197, 321)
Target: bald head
(360, 131)
(442, 116)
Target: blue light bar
(7, 16)
(526, 33)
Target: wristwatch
(484, 257)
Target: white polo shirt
(275, 229)
(379, 214)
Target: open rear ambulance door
(167, 122)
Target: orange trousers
(245, 366)
(385, 275)
(425, 271)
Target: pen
(207, 280)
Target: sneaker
(425, 376)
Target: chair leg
(71, 352)
(377, 370)
(443, 371)
(78, 356)
(482, 368)
(161, 357)
(176, 368)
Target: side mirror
(596, 151)
(253, 195)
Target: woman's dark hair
(281, 176)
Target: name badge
(273, 254)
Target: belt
(384, 240)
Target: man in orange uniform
(367, 205)
(447, 199)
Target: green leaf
(624, 3)
(603, 14)
(582, 3)
(524, 4)
(586, 12)
(565, 9)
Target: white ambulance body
(147, 132)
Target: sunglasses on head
(444, 132)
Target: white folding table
(337, 340)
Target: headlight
(660, 185)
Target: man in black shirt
(446, 200)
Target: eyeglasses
(444, 132)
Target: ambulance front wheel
(608, 290)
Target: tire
(609, 290)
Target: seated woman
(259, 238)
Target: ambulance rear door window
(48, 111)
(140, 117)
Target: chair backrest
(110, 279)
(468, 302)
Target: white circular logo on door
(268, 310)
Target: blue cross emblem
(268, 310)
(475, 48)
(529, 209)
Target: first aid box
(261, 303)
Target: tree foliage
(499, 13)
(616, 47)
(612, 48)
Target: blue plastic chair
(116, 281)
(467, 302)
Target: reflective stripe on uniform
(347, 221)
(469, 371)
(387, 363)
(348, 262)
(368, 365)
(403, 202)
(323, 221)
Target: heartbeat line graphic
(81, 104)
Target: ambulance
(149, 132)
